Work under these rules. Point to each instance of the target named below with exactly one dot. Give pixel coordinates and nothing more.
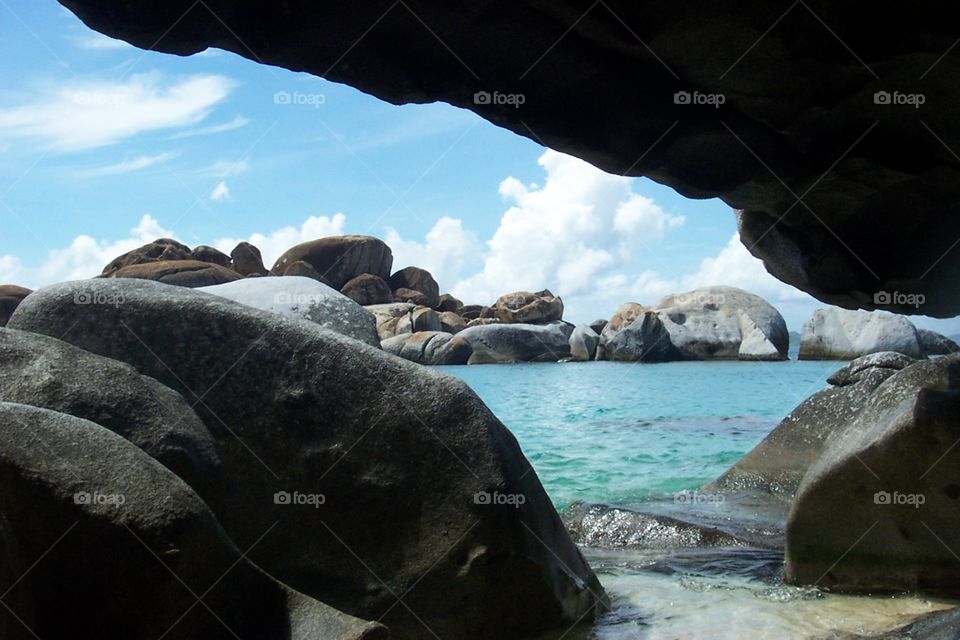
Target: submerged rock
(120, 535)
(417, 476)
(497, 342)
(839, 334)
(304, 299)
(879, 509)
(429, 347)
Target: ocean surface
(636, 436)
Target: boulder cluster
(840, 334)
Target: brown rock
(448, 303)
(247, 261)
(306, 270)
(451, 322)
(420, 319)
(471, 311)
(160, 249)
(479, 322)
(488, 312)
(414, 297)
(183, 273)
(10, 298)
(625, 315)
(338, 259)
(419, 280)
(203, 253)
(529, 308)
(368, 289)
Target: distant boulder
(471, 311)
(368, 289)
(723, 323)
(419, 319)
(636, 334)
(162, 249)
(936, 344)
(246, 260)
(448, 303)
(388, 316)
(528, 308)
(339, 259)
(583, 343)
(10, 298)
(498, 342)
(412, 296)
(429, 347)
(182, 273)
(451, 322)
(203, 253)
(417, 279)
(841, 334)
(598, 325)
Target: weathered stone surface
(11, 296)
(389, 316)
(583, 343)
(417, 279)
(451, 322)
(121, 535)
(878, 511)
(160, 250)
(429, 347)
(481, 322)
(181, 273)
(419, 319)
(448, 303)
(598, 325)
(528, 308)
(636, 334)
(247, 260)
(367, 289)
(52, 374)
(383, 440)
(304, 269)
(777, 465)
(471, 311)
(338, 259)
(203, 253)
(304, 299)
(838, 334)
(413, 297)
(691, 95)
(935, 344)
(499, 342)
(723, 323)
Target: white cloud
(447, 251)
(236, 123)
(223, 169)
(274, 244)
(84, 258)
(220, 192)
(129, 166)
(87, 115)
(582, 227)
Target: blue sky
(104, 146)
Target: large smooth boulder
(691, 94)
(160, 250)
(338, 259)
(204, 253)
(778, 464)
(497, 342)
(246, 260)
(53, 374)
(447, 302)
(429, 347)
(524, 307)
(879, 510)
(305, 299)
(417, 279)
(583, 343)
(108, 529)
(936, 344)
(636, 334)
(839, 334)
(451, 322)
(723, 323)
(11, 296)
(181, 273)
(299, 409)
(367, 289)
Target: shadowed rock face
(779, 104)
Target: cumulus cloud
(448, 249)
(582, 227)
(85, 257)
(273, 244)
(220, 192)
(89, 114)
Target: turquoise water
(621, 433)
